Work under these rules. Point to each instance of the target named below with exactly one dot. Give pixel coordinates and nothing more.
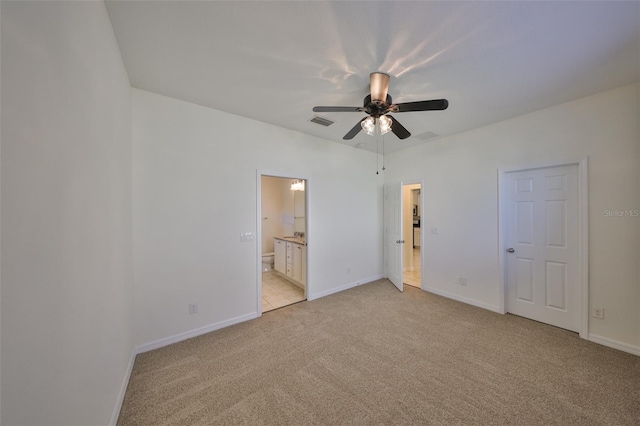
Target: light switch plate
(246, 237)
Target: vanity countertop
(296, 240)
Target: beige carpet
(372, 355)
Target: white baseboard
(193, 333)
(463, 299)
(146, 347)
(343, 287)
(615, 344)
(123, 390)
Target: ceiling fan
(378, 104)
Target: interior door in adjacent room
(542, 245)
(412, 235)
(393, 233)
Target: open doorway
(283, 240)
(412, 234)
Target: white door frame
(583, 236)
(259, 174)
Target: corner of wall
(123, 389)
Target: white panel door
(393, 233)
(542, 241)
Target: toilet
(267, 261)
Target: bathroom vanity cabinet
(298, 262)
(291, 260)
(280, 256)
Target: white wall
(67, 273)
(195, 183)
(461, 192)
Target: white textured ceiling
(274, 61)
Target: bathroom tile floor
(278, 292)
(413, 277)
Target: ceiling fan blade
(379, 86)
(356, 129)
(398, 129)
(433, 105)
(337, 109)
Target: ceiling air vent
(321, 121)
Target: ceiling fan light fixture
(369, 125)
(385, 124)
(373, 126)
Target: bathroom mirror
(299, 208)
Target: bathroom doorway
(412, 234)
(282, 241)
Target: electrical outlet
(193, 308)
(434, 231)
(348, 271)
(597, 312)
(460, 280)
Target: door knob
(510, 250)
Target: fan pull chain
(383, 168)
(377, 154)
